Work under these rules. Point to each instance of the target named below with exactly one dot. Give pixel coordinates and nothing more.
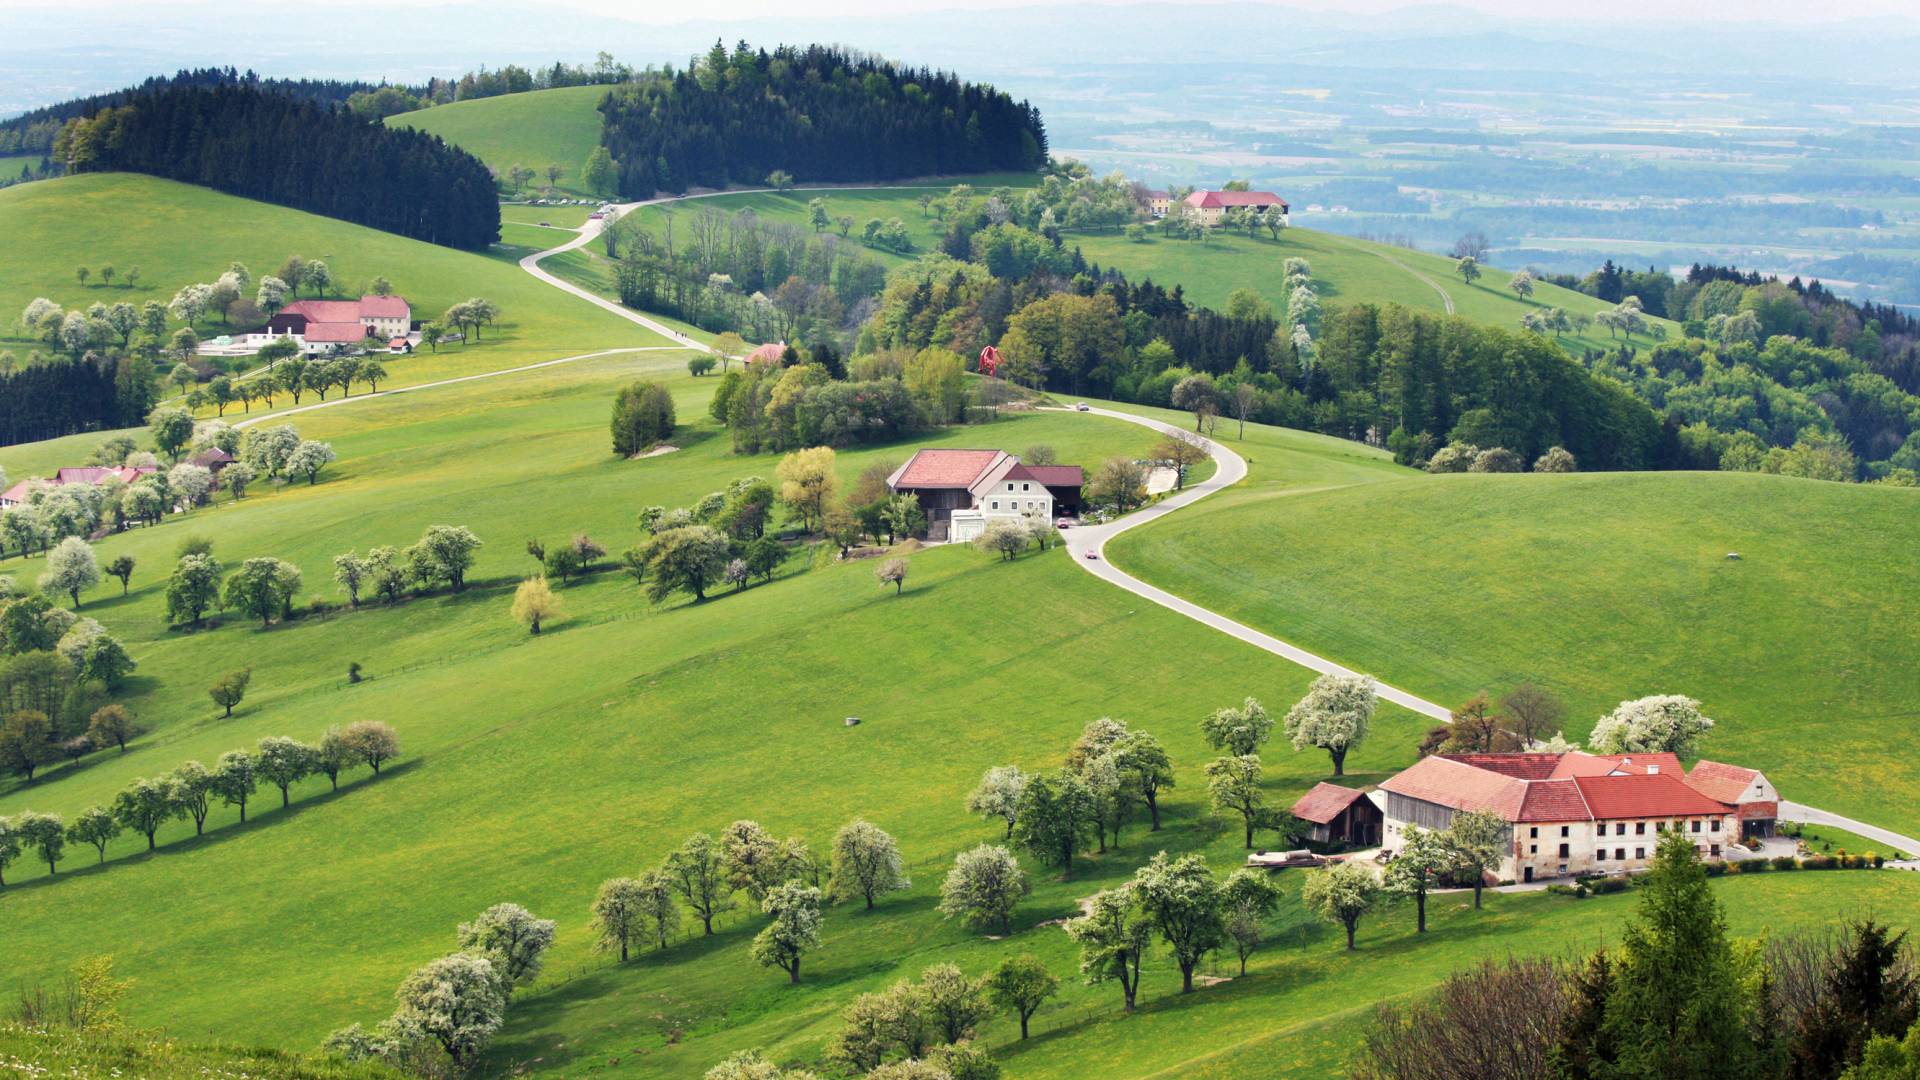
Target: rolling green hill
(178, 234)
(535, 767)
(1603, 587)
(534, 129)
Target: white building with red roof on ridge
(1580, 813)
(1210, 206)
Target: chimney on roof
(1653, 770)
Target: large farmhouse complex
(1579, 813)
(322, 324)
(83, 474)
(964, 491)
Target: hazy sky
(660, 11)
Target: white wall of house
(1591, 847)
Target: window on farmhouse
(1716, 825)
(1639, 828)
(1564, 831)
(1620, 853)
(1620, 829)
(1696, 826)
(1639, 853)
(1533, 832)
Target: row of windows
(1639, 828)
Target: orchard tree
(1238, 730)
(71, 568)
(1144, 762)
(1113, 936)
(1055, 813)
(332, 755)
(510, 936)
(1198, 395)
(236, 777)
(1249, 898)
(754, 863)
(446, 552)
(1663, 723)
(191, 788)
(372, 742)
(458, 1001)
(1478, 842)
(1468, 268)
(658, 907)
(10, 847)
(1183, 450)
(121, 567)
(893, 572)
(192, 589)
(643, 417)
(795, 929)
(1185, 903)
(263, 587)
(690, 558)
(1334, 716)
(228, 690)
(866, 863)
(983, 888)
(1233, 783)
(1532, 712)
(1341, 893)
(1021, 984)
(145, 805)
(1522, 284)
(284, 762)
(698, 871)
(308, 458)
(26, 741)
(1421, 864)
(111, 724)
(95, 825)
(534, 603)
(955, 1005)
(618, 917)
(43, 834)
(998, 795)
(171, 428)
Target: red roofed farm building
(962, 491)
(1579, 813)
(1339, 815)
(322, 324)
(1210, 206)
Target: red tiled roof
(944, 468)
(16, 493)
(96, 474)
(1726, 783)
(329, 332)
(1760, 811)
(1578, 763)
(1325, 802)
(1220, 200)
(1057, 475)
(1459, 786)
(1553, 800)
(384, 307)
(1519, 766)
(1645, 796)
(1022, 472)
(210, 457)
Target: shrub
(1784, 862)
(1609, 885)
(1716, 867)
(1496, 459)
(642, 417)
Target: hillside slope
(535, 129)
(1781, 604)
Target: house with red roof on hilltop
(1210, 206)
(1580, 813)
(964, 491)
(320, 325)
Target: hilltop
(533, 129)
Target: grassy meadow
(1601, 586)
(178, 234)
(534, 129)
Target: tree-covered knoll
(269, 146)
(819, 113)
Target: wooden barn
(1339, 815)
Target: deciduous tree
(1248, 899)
(534, 603)
(795, 929)
(1420, 866)
(71, 568)
(1477, 843)
(228, 690)
(1185, 903)
(145, 805)
(1113, 937)
(698, 870)
(1055, 813)
(983, 887)
(284, 762)
(1022, 984)
(1238, 730)
(236, 776)
(372, 742)
(458, 1001)
(866, 863)
(1233, 783)
(1342, 893)
(96, 826)
(1334, 716)
(998, 795)
(1662, 723)
(513, 938)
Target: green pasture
(534, 129)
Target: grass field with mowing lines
(534, 129)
